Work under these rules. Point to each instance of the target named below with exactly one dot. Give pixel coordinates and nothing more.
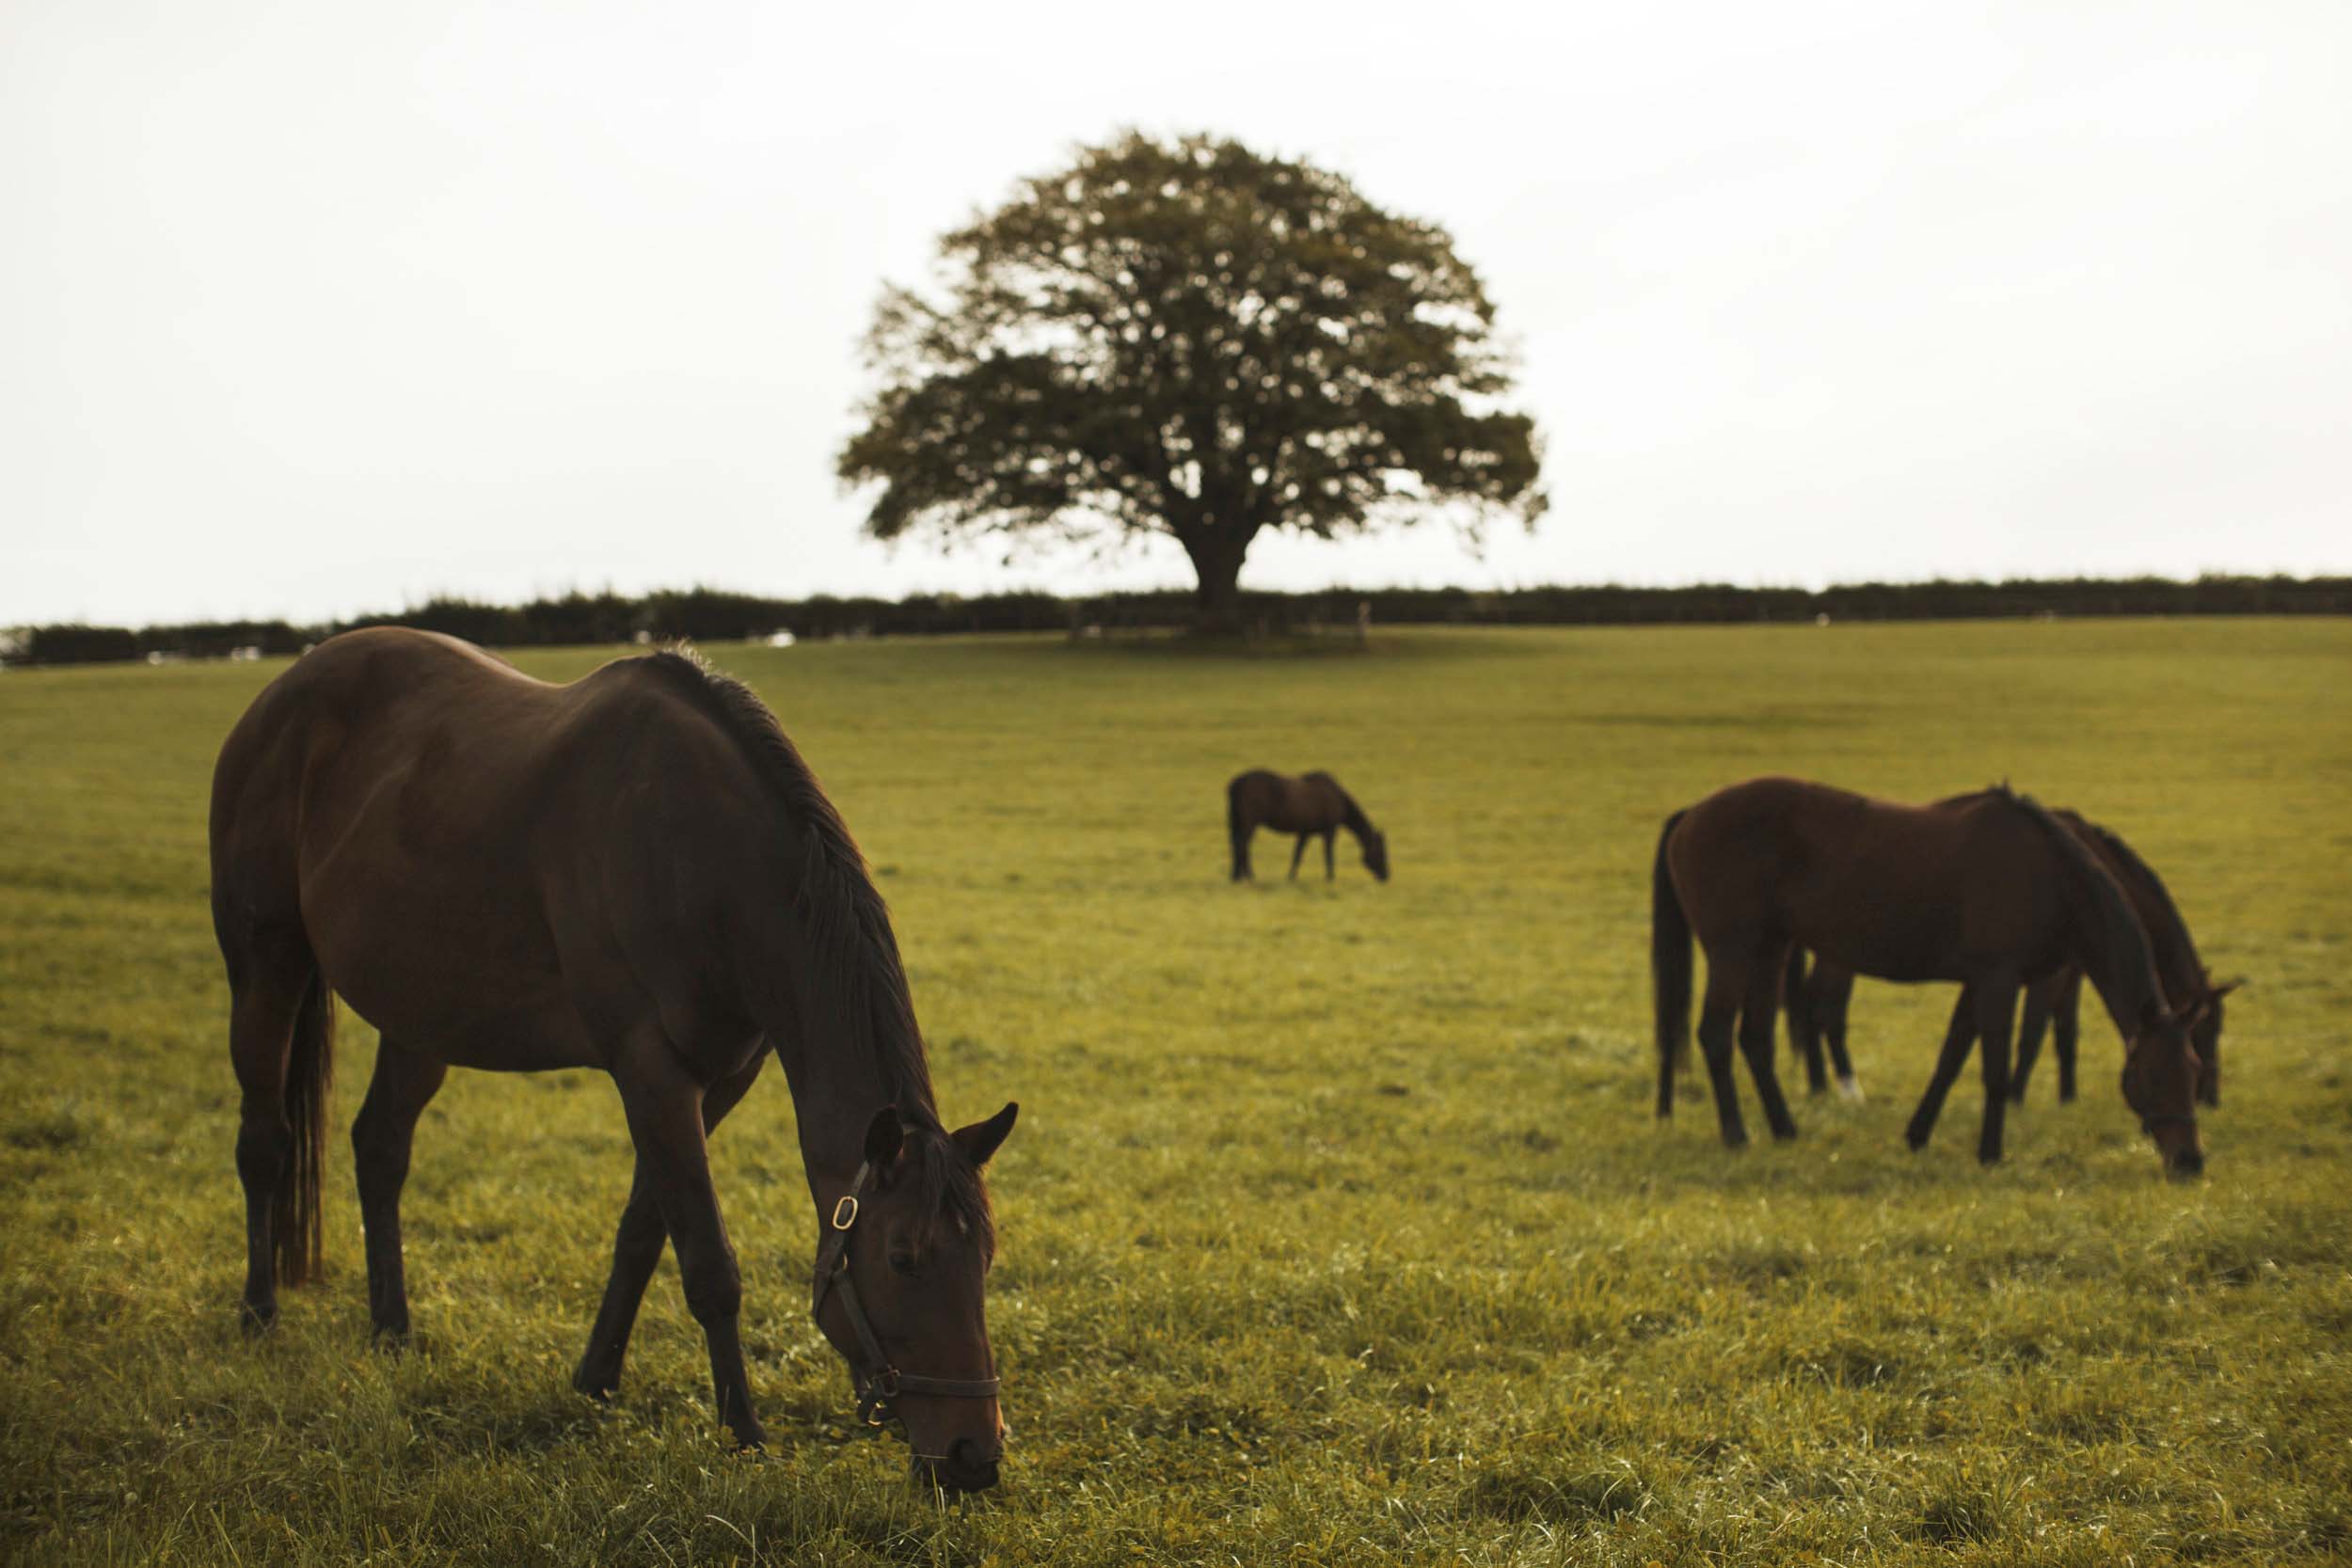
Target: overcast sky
(309, 308)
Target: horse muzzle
(2176, 1145)
(968, 1465)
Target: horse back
(1886, 889)
(1309, 803)
(513, 870)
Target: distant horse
(1818, 1003)
(1990, 890)
(636, 873)
(1310, 805)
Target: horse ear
(2217, 993)
(884, 1137)
(981, 1139)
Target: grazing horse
(1819, 1002)
(637, 873)
(1990, 890)
(1313, 805)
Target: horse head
(1376, 844)
(2161, 1072)
(901, 1291)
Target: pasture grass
(1337, 1228)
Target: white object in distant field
(779, 640)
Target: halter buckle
(874, 1402)
(845, 1211)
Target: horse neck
(844, 1060)
(2116, 953)
(1352, 815)
(2178, 967)
(835, 1096)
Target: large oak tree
(1193, 340)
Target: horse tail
(1237, 827)
(1804, 1037)
(1798, 1000)
(1669, 968)
(297, 1225)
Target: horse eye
(902, 1262)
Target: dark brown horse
(1819, 1002)
(1313, 805)
(1990, 890)
(636, 873)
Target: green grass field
(1337, 1228)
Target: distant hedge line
(710, 615)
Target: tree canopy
(1194, 340)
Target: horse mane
(2131, 861)
(853, 952)
(1351, 817)
(2125, 952)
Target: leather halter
(879, 1384)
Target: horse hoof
(1735, 1140)
(1785, 1134)
(1916, 1139)
(1850, 1089)
(1988, 1157)
(256, 1319)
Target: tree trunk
(1216, 602)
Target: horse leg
(1758, 1012)
(1805, 1034)
(1831, 1021)
(2065, 1031)
(637, 1250)
(1996, 1005)
(665, 1121)
(1957, 1040)
(266, 1000)
(1299, 854)
(1716, 1013)
(1241, 853)
(1329, 834)
(404, 1083)
(2033, 1021)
